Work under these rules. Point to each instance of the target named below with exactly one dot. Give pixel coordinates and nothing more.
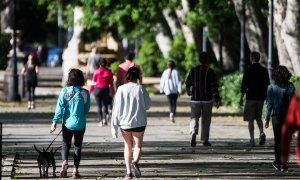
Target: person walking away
(278, 97)
(129, 113)
(170, 84)
(72, 106)
(205, 94)
(30, 71)
(92, 64)
(290, 126)
(42, 54)
(123, 68)
(102, 86)
(254, 84)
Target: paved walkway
(166, 152)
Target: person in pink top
(102, 86)
(123, 68)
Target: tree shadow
(226, 159)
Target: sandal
(63, 171)
(75, 175)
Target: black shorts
(137, 129)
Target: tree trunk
(191, 36)
(279, 14)
(164, 34)
(172, 22)
(290, 33)
(187, 31)
(164, 43)
(225, 59)
(256, 29)
(6, 15)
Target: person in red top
(290, 126)
(123, 68)
(102, 86)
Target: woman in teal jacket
(72, 106)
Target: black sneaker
(206, 143)
(136, 168)
(284, 168)
(128, 176)
(193, 140)
(276, 165)
(262, 139)
(251, 143)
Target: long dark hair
(133, 73)
(171, 65)
(281, 75)
(75, 78)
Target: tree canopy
(175, 28)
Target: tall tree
(290, 33)
(256, 26)
(279, 15)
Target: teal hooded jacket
(72, 106)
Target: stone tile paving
(166, 152)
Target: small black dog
(45, 160)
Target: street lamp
(13, 94)
(242, 50)
(270, 38)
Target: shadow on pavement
(162, 160)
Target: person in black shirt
(204, 94)
(254, 84)
(30, 71)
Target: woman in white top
(170, 84)
(129, 113)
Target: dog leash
(54, 139)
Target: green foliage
(191, 57)
(215, 15)
(67, 10)
(114, 66)
(295, 80)
(185, 56)
(150, 58)
(4, 50)
(230, 87)
(194, 20)
(177, 53)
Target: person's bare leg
(127, 135)
(251, 129)
(138, 142)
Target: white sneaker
(104, 122)
(100, 124)
(172, 119)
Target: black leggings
(277, 122)
(67, 139)
(102, 101)
(172, 98)
(30, 91)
